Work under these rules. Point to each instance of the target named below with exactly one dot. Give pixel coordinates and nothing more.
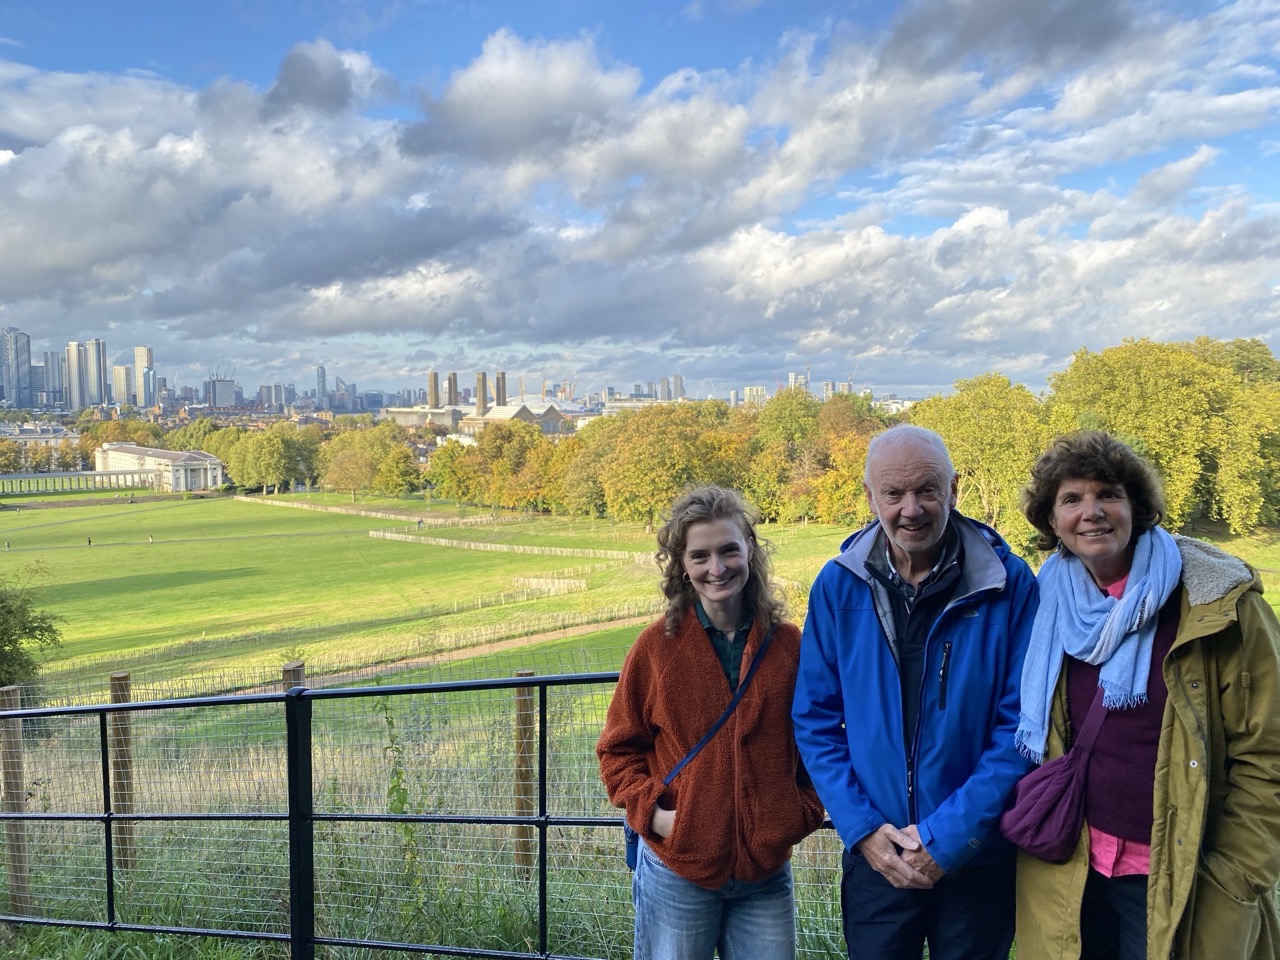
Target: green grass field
(190, 586)
(180, 588)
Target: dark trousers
(1113, 918)
(966, 916)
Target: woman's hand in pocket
(663, 821)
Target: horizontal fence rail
(457, 818)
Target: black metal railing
(301, 814)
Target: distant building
(122, 384)
(96, 384)
(38, 434)
(549, 420)
(144, 379)
(15, 367)
(220, 393)
(175, 471)
(754, 396)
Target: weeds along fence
(461, 818)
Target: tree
(222, 444)
(1165, 400)
(193, 436)
(789, 421)
(67, 457)
(260, 459)
(847, 413)
(10, 456)
(660, 451)
(838, 492)
(994, 431)
(581, 462)
(39, 459)
(22, 629)
(444, 472)
(398, 474)
(351, 458)
(1250, 360)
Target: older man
(906, 706)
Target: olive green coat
(1215, 842)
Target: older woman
(1180, 852)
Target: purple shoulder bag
(1048, 803)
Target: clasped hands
(900, 857)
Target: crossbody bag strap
(1092, 724)
(737, 698)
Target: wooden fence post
(294, 674)
(120, 735)
(525, 775)
(17, 866)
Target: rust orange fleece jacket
(745, 800)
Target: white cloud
(924, 204)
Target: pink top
(1110, 855)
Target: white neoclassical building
(175, 471)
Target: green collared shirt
(728, 648)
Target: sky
(896, 195)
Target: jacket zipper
(914, 746)
(942, 676)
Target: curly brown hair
(1091, 455)
(699, 506)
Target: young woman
(713, 869)
(1180, 851)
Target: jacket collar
(1209, 574)
(984, 550)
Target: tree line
(1206, 412)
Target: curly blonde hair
(700, 506)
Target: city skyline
(85, 372)
(897, 196)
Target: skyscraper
(677, 387)
(74, 387)
(122, 384)
(322, 389)
(15, 366)
(95, 372)
(55, 377)
(144, 386)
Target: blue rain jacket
(954, 779)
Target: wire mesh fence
(461, 814)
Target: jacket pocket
(1219, 924)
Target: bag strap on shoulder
(737, 698)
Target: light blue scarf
(1078, 619)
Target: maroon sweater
(1122, 766)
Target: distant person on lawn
(713, 870)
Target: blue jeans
(679, 920)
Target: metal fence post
(122, 805)
(17, 866)
(302, 878)
(524, 775)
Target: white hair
(909, 435)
